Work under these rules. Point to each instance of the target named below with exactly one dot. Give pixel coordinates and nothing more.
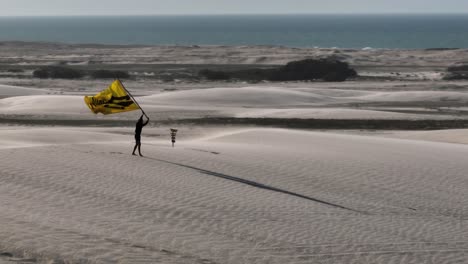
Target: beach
(370, 170)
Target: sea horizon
(245, 14)
(356, 31)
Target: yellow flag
(112, 100)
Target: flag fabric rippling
(114, 99)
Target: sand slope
(250, 101)
(247, 196)
(8, 90)
(248, 96)
(44, 104)
(459, 136)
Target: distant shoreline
(180, 63)
(243, 14)
(103, 45)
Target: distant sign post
(173, 135)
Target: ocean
(341, 31)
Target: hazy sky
(137, 7)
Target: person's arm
(147, 120)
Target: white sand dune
(247, 196)
(258, 102)
(246, 96)
(73, 107)
(458, 136)
(31, 137)
(334, 113)
(44, 104)
(8, 90)
(419, 96)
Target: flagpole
(133, 98)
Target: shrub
(458, 68)
(41, 73)
(106, 74)
(57, 72)
(456, 76)
(214, 75)
(310, 69)
(330, 70)
(15, 70)
(457, 72)
(335, 77)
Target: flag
(114, 99)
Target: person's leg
(136, 145)
(139, 149)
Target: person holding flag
(117, 99)
(139, 126)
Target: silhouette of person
(139, 126)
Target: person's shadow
(254, 184)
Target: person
(139, 126)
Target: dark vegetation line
(457, 72)
(60, 72)
(326, 69)
(256, 184)
(376, 124)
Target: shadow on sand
(255, 184)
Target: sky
(166, 7)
